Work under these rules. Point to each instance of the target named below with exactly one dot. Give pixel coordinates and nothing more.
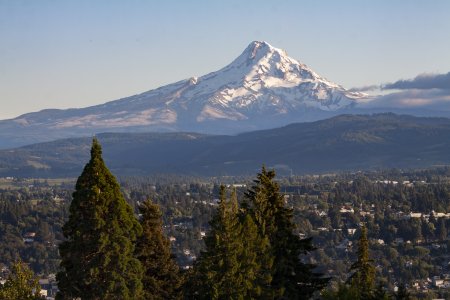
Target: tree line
(251, 250)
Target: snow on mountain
(262, 83)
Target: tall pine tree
(230, 266)
(361, 283)
(290, 277)
(363, 278)
(97, 257)
(162, 278)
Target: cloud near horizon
(421, 82)
(428, 91)
(433, 99)
(366, 88)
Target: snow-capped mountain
(261, 88)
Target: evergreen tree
(161, 278)
(442, 230)
(254, 261)
(20, 284)
(363, 277)
(216, 267)
(290, 277)
(97, 256)
(229, 268)
(360, 285)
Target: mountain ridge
(342, 143)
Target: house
(440, 214)
(438, 282)
(351, 231)
(415, 215)
(28, 237)
(43, 293)
(366, 214)
(239, 185)
(393, 182)
(347, 209)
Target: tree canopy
(161, 279)
(290, 277)
(97, 257)
(252, 250)
(363, 277)
(21, 284)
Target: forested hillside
(346, 142)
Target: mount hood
(262, 88)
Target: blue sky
(61, 54)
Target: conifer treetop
(96, 150)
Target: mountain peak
(259, 46)
(260, 61)
(259, 49)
